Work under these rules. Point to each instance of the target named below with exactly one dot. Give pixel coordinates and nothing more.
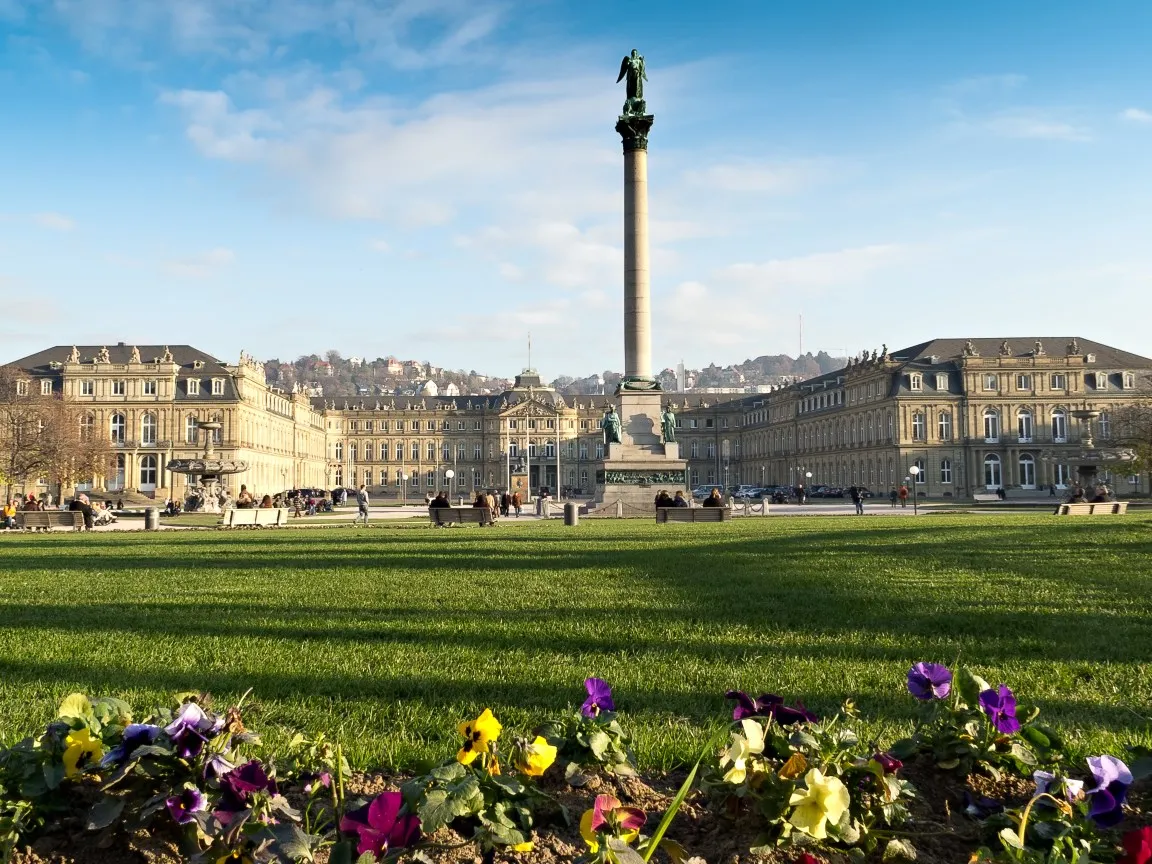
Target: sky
(436, 179)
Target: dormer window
(942, 381)
(197, 364)
(1129, 381)
(217, 386)
(1101, 380)
(916, 382)
(45, 387)
(193, 385)
(21, 388)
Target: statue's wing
(623, 69)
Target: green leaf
(449, 773)
(435, 811)
(76, 706)
(1022, 754)
(110, 711)
(599, 744)
(508, 785)
(1011, 839)
(621, 853)
(289, 843)
(1036, 737)
(501, 835)
(970, 686)
(368, 858)
(573, 775)
(899, 850)
(53, 775)
(104, 812)
(342, 854)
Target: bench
(48, 519)
(254, 517)
(1103, 508)
(693, 514)
(440, 516)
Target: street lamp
(807, 485)
(448, 475)
(915, 472)
(403, 487)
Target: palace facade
(971, 415)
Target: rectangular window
(990, 383)
(1129, 381)
(367, 451)
(477, 452)
(383, 425)
(511, 424)
(150, 388)
(431, 451)
(1023, 382)
(430, 425)
(415, 451)
(192, 385)
(918, 430)
(1101, 380)
(399, 425)
(353, 425)
(600, 450)
(119, 388)
(475, 425)
(693, 423)
(45, 387)
(583, 450)
(352, 451)
(367, 425)
(944, 426)
(1059, 381)
(446, 453)
(942, 381)
(945, 471)
(915, 382)
(708, 423)
(217, 386)
(21, 388)
(87, 388)
(399, 451)
(383, 476)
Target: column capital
(634, 129)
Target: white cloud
(750, 177)
(1136, 115)
(511, 272)
(1027, 123)
(54, 221)
(200, 265)
(814, 271)
(382, 246)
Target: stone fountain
(208, 495)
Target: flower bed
(979, 779)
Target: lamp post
(403, 486)
(915, 472)
(448, 475)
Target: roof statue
(884, 352)
(135, 358)
(1074, 347)
(74, 357)
(102, 356)
(970, 349)
(1005, 349)
(166, 357)
(1038, 348)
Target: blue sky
(435, 179)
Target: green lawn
(388, 637)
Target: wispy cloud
(200, 265)
(382, 246)
(54, 221)
(1029, 123)
(752, 177)
(1136, 115)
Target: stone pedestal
(637, 468)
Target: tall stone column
(633, 128)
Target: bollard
(152, 519)
(571, 513)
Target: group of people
(663, 499)
(100, 513)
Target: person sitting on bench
(440, 502)
(680, 500)
(714, 500)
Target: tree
(42, 436)
(1131, 427)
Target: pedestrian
(857, 499)
(517, 503)
(893, 497)
(1051, 490)
(505, 503)
(362, 503)
(903, 495)
(493, 505)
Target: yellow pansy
(535, 758)
(80, 750)
(477, 736)
(742, 749)
(824, 801)
(526, 846)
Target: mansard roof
(120, 353)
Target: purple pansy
(769, 705)
(980, 806)
(1000, 706)
(216, 767)
(135, 735)
(380, 826)
(311, 782)
(1048, 782)
(190, 729)
(888, 763)
(1112, 781)
(238, 786)
(190, 800)
(929, 681)
(599, 697)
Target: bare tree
(1131, 426)
(42, 436)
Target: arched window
(992, 473)
(945, 470)
(148, 429)
(190, 429)
(1027, 471)
(1059, 426)
(919, 432)
(1024, 425)
(991, 425)
(147, 473)
(117, 428)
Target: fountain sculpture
(208, 495)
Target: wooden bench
(1102, 508)
(48, 519)
(440, 516)
(254, 517)
(693, 514)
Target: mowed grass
(386, 638)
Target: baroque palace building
(971, 414)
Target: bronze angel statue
(632, 66)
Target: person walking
(903, 495)
(857, 499)
(505, 503)
(362, 503)
(893, 497)
(517, 503)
